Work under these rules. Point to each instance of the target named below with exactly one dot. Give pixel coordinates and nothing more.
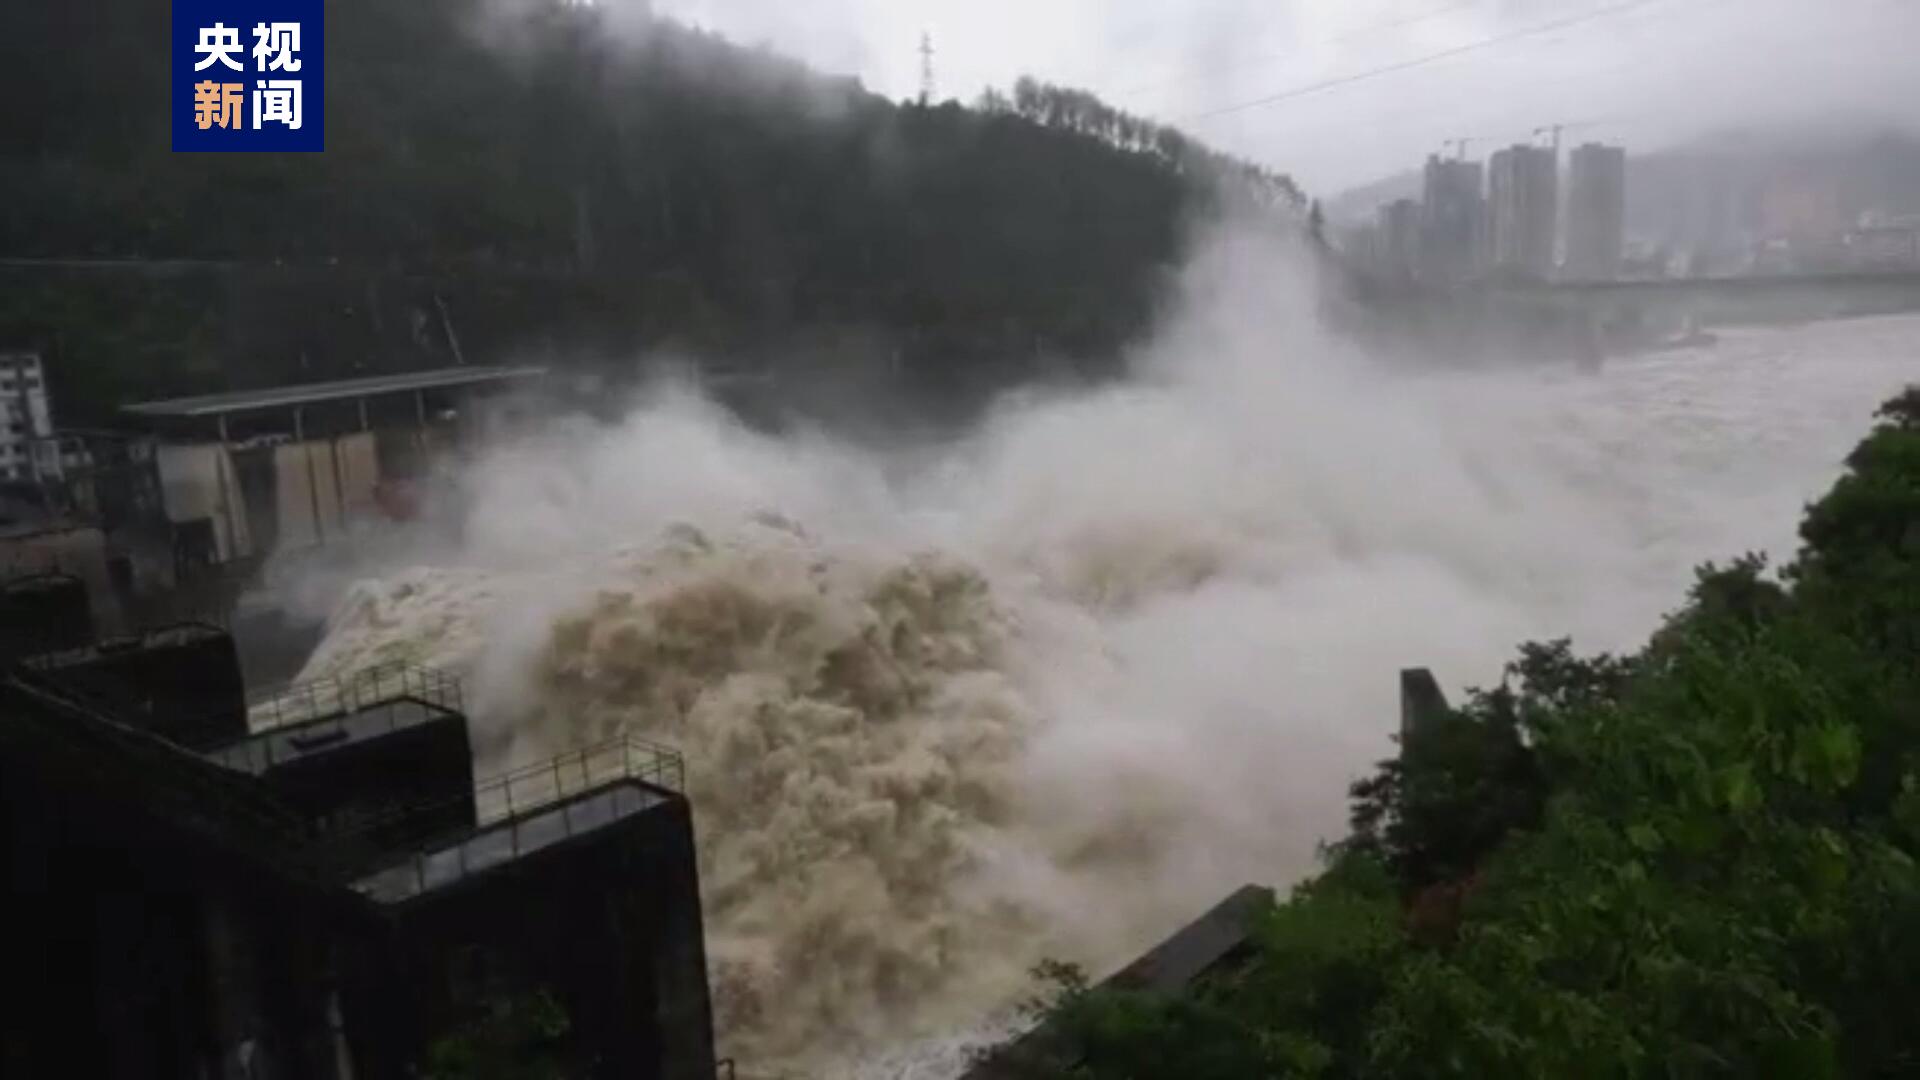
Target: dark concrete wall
(181, 683)
(142, 948)
(398, 792)
(44, 613)
(77, 550)
(197, 678)
(608, 923)
(169, 916)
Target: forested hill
(563, 184)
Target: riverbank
(1695, 859)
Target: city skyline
(1502, 216)
(1180, 63)
(1598, 212)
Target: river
(1056, 687)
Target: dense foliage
(1696, 861)
(512, 1038)
(566, 180)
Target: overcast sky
(1640, 73)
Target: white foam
(1054, 689)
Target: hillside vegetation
(1695, 861)
(567, 185)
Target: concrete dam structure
(333, 896)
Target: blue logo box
(249, 75)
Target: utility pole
(453, 339)
(926, 69)
(1560, 205)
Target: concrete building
(1596, 212)
(1523, 196)
(1885, 242)
(26, 419)
(1453, 221)
(330, 894)
(1397, 253)
(242, 474)
(1359, 243)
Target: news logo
(249, 75)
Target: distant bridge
(1708, 300)
(1585, 321)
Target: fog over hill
(584, 185)
(1720, 185)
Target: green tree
(1697, 861)
(517, 1038)
(573, 190)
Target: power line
(1397, 23)
(1130, 36)
(1402, 22)
(1422, 61)
(1454, 118)
(926, 68)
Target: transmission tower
(926, 69)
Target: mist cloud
(1656, 74)
(1051, 687)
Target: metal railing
(356, 691)
(153, 637)
(10, 580)
(564, 801)
(194, 786)
(532, 788)
(576, 772)
(288, 742)
(190, 714)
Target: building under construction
(248, 472)
(175, 514)
(314, 884)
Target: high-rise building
(1397, 238)
(1359, 242)
(26, 420)
(1596, 212)
(1523, 188)
(1452, 221)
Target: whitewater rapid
(1053, 688)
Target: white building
(1596, 213)
(27, 448)
(1523, 197)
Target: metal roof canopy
(281, 397)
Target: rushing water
(1053, 689)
